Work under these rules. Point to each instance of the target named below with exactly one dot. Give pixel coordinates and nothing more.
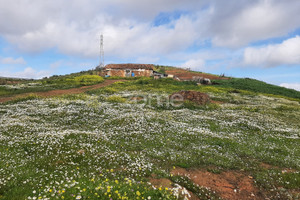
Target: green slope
(256, 86)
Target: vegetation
(11, 81)
(256, 86)
(116, 99)
(161, 69)
(46, 84)
(108, 142)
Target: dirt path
(62, 92)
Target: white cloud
(126, 39)
(28, 72)
(127, 26)
(12, 61)
(73, 29)
(147, 59)
(194, 64)
(286, 53)
(295, 86)
(236, 23)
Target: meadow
(104, 145)
(52, 83)
(256, 86)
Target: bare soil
(188, 75)
(233, 185)
(194, 96)
(166, 183)
(52, 93)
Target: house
(128, 70)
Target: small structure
(158, 75)
(129, 70)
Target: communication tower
(101, 64)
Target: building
(128, 70)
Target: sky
(257, 39)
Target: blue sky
(258, 39)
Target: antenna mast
(101, 65)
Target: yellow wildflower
(108, 189)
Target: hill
(256, 86)
(127, 140)
(13, 86)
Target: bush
(116, 99)
(88, 79)
(24, 98)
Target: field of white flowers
(86, 147)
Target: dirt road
(62, 92)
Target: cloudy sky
(258, 38)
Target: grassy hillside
(257, 86)
(51, 83)
(120, 141)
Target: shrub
(110, 90)
(88, 79)
(24, 98)
(116, 99)
(74, 97)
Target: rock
(201, 80)
(194, 96)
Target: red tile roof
(129, 66)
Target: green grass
(256, 86)
(116, 99)
(52, 83)
(102, 145)
(149, 84)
